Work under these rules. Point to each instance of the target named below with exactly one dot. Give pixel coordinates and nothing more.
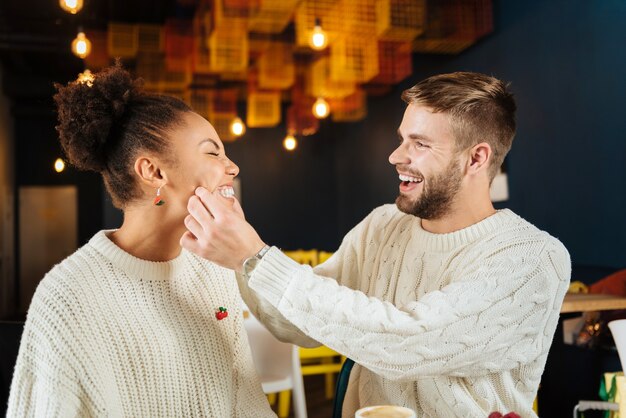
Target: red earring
(157, 200)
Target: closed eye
(213, 144)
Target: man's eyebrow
(416, 137)
(212, 141)
(420, 137)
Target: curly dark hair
(103, 124)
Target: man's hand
(219, 232)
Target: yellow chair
(303, 256)
(323, 256)
(321, 360)
(578, 287)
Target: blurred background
(270, 64)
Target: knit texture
(110, 335)
(450, 325)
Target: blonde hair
(481, 109)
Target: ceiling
(212, 52)
(35, 36)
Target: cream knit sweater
(450, 325)
(110, 335)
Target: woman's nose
(232, 168)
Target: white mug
(385, 411)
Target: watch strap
(262, 252)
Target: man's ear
(479, 158)
(149, 172)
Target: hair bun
(91, 115)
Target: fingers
(238, 209)
(199, 211)
(212, 202)
(189, 242)
(193, 226)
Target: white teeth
(402, 177)
(227, 192)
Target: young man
(446, 305)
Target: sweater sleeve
(496, 315)
(45, 383)
(341, 264)
(271, 317)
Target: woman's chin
(230, 201)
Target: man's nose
(398, 156)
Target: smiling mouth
(408, 181)
(226, 191)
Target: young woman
(130, 324)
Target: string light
(237, 127)
(59, 165)
(71, 6)
(318, 39)
(81, 46)
(290, 142)
(86, 77)
(321, 109)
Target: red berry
(511, 415)
(495, 414)
(221, 315)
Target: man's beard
(438, 194)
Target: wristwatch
(251, 262)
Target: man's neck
(459, 217)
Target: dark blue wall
(566, 62)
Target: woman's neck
(150, 234)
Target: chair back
(303, 256)
(271, 357)
(342, 387)
(618, 329)
(323, 256)
(277, 363)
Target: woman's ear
(148, 171)
(480, 157)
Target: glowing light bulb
(71, 6)
(237, 127)
(318, 39)
(321, 109)
(86, 77)
(81, 46)
(59, 165)
(290, 142)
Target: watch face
(250, 264)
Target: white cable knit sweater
(450, 325)
(110, 335)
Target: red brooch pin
(221, 313)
